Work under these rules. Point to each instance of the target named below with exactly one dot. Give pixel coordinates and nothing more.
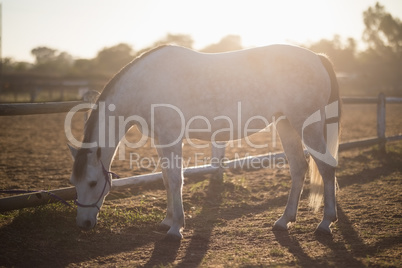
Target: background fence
(40, 198)
(35, 87)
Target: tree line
(377, 68)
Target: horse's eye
(92, 184)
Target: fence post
(218, 154)
(381, 121)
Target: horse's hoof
(172, 238)
(279, 227)
(323, 231)
(163, 227)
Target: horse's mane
(81, 159)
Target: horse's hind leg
(293, 148)
(330, 215)
(325, 162)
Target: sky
(84, 27)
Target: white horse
(170, 89)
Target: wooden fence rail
(7, 109)
(35, 199)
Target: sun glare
(141, 23)
(260, 22)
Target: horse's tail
(331, 135)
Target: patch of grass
(55, 213)
(112, 217)
(7, 217)
(276, 252)
(36, 231)
(391, 148)
(199, 186)
(236, 185)
(235, 192)
(395, 147)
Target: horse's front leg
(171, 163)
(168, 220)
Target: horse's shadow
(345, 257)
(200, 241)
(294, 247)
(341, 253)
(165, 252)
(62, 243)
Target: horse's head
(92, 182)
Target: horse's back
(238, 71)
(275, 72)
(255, 82)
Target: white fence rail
(40, 198)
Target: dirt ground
(228, 223)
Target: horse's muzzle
(86, 225)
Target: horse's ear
(73, 151)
